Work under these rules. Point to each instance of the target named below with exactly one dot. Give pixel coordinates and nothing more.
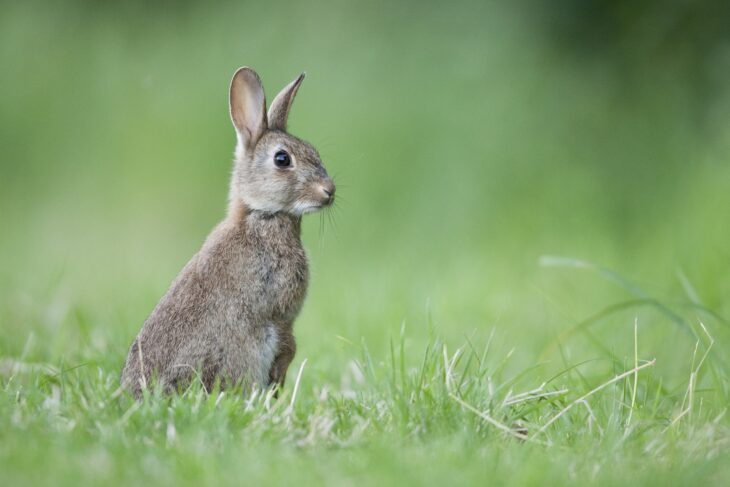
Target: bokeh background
(467, 139)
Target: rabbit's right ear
(248, 107)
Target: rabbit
(227, 318)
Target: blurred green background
(467, 140)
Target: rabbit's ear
(248, 106)
(279, 110)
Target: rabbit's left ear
(279, 109)
(248, 107)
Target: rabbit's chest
(274, 280)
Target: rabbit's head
(274, 171)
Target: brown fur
(228, 315)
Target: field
(525, 280)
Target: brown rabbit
(228, 315)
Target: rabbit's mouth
(304, 207)
(318, 197)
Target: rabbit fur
(228, 315)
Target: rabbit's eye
(282, 159)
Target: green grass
(504, 184)
(412, 414)
(444, 415)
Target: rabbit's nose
(328, 189)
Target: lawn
(525, 280)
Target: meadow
(525, 279)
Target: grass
(445, 415)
